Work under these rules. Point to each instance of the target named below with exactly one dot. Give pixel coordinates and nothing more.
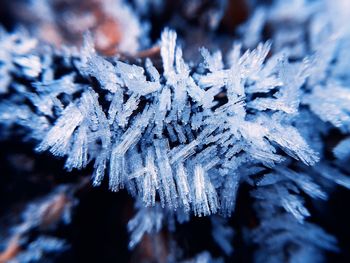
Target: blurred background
(39, 196)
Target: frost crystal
(203, 139)
(182, 137)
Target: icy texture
(181, 138)
(170, 135)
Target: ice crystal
(182, 137)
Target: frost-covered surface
(181, 138)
